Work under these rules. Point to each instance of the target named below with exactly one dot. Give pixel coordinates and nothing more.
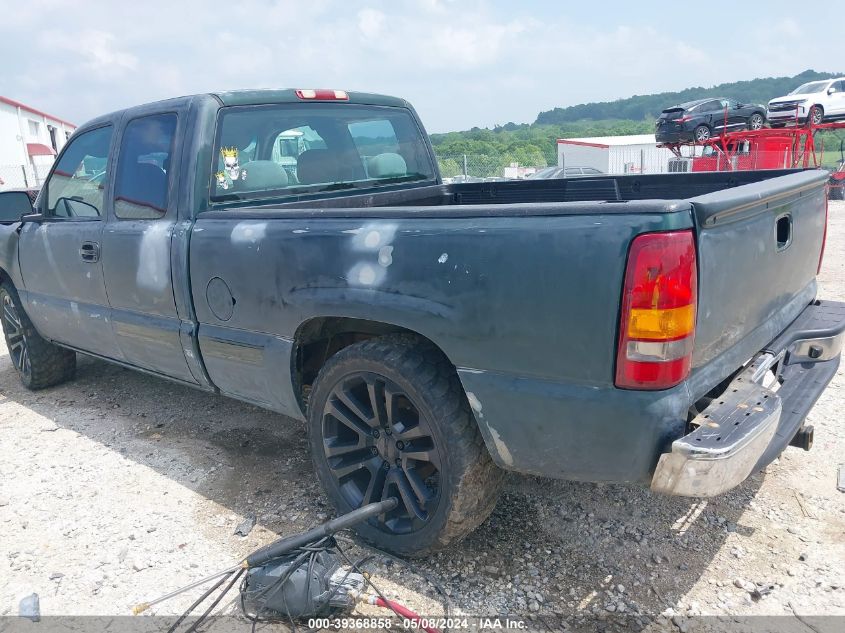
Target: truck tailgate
(758, 251)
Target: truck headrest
(387, 165)
(264, 174)
(317, 165)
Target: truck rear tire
(389, 417)
(38, 362)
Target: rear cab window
(286, 150)
(143, 166)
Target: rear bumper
(763, 407)
(673, 134)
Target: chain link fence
(22, 176)
(462, 167)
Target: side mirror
(831, 90)
(739, 105)
(35, 218)
(14, 205)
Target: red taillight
(323, 95)
(683, 119)
(657, 322)
(824, 235)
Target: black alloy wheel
(39, 362)
(378, 446)
(16, 337)
(388, 417)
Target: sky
(462, 63)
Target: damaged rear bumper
(762, 409)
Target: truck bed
(496, 272)
(611, 188)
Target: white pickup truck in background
(815, 101)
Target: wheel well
(318, 339)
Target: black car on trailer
(699, 120)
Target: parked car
(699, 120)
(429, 335)
(814, 102)
(564, 172)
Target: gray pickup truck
(298, 250)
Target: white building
(29, 142)
(634, 154)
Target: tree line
(534, 144)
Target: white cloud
(370, 22)
(96, 50)
(471, 46)
(461, 62)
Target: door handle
(783, 231)
(90, 252)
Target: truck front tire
(38, 362)
(388, 417)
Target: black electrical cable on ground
(447, 603)
(197, 603)
(413, 569)
(217, 600)
(308, 545)
(370, 582)
(307, 553)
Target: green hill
(486, 151)
(639, 107)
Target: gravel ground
(118, 487)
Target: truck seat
(387, 165)
(323, 165)
(264, 174)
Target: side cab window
(143, 166)
(75, 189)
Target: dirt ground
(119, 487)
